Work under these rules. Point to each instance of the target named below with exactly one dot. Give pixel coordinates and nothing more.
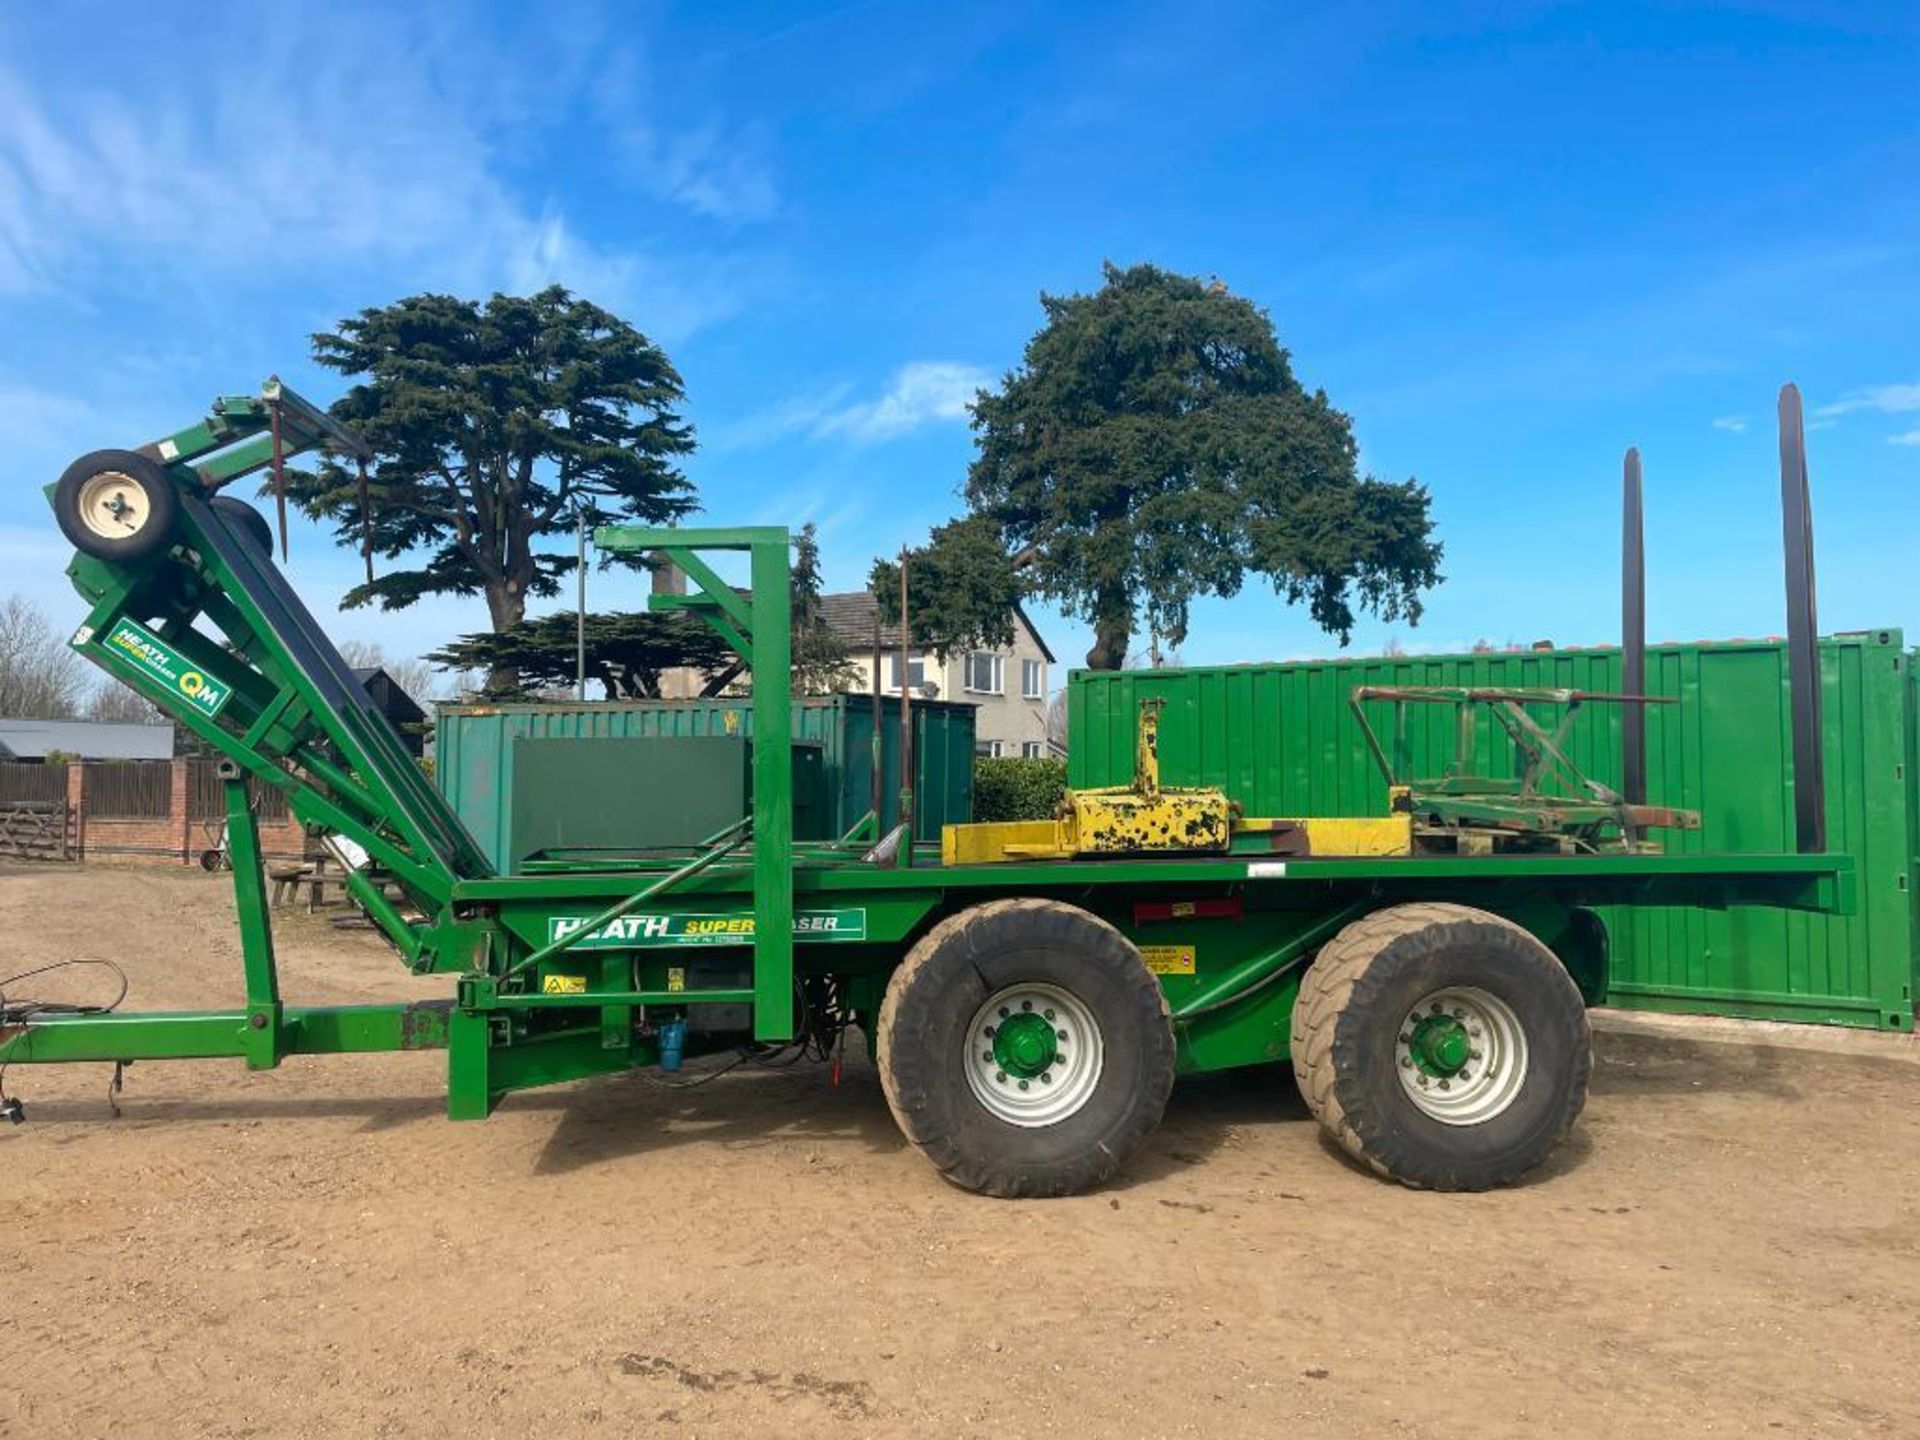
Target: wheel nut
(1059, 1034)
(1046, 1077)
(1023, 1084)
(1004, 1012)
(1424, 1082)
(989, 1032)
(987, 1055)
(999, 1077)
(1444, 1085)
(1047, 1013)
(1406, 1062)
(1026, 1005)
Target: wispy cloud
(25, 409)
(921, 393)
(307, 155)
(1895, 399)
(798, 415)
(1909, 437)
(925, 392)
(670, 298)
(1733, 424)
(712, 169)
(48, 428)
(281, 171)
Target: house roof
(850, 617)
(851, 614)
(394, 702)
(89, 739)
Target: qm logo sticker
(147, 651)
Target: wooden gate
(34, 830)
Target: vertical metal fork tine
(1633, 635)
(1803, 630)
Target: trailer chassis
(589, 965)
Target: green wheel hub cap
(1461, 1055)
(1440, 1045)
(1024, 1045)
(1032, 1054)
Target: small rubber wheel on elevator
(243, 520)
(1442, 1046)
(1025, 1048)
(115, 505)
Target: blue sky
(1508, 239)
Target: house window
(916, 672)
(987, 749)
(983, 673)
(1032, 749)
(1033, 680)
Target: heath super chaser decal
(136, 643)
(643, 931)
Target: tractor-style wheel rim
(113, 505)
(1033, 1055)
(1461, 1055)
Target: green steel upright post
(772, 789)
(759, 626)
(264, 1032)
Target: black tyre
(245, 521)
(1444, 1047)
(1025, 1048)
(115, 504)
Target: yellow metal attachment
(1132, 822)
(1336, 835)
(1140, 819)
(1146, 754)
(1144, 819)
(990, 843)
(1100, 822)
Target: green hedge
(1016, 789)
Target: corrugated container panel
(473, 751)
(1282, 740)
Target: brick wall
(176, 838)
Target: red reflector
(1146, 912)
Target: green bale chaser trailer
(1028, 1016)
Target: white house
(1008, 686)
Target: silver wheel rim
(1495, 1067)
(1046, 1095)
(113, 505)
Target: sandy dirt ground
(1730, 1245)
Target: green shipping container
(1281, 739)
(637, 793)
(474, 753)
